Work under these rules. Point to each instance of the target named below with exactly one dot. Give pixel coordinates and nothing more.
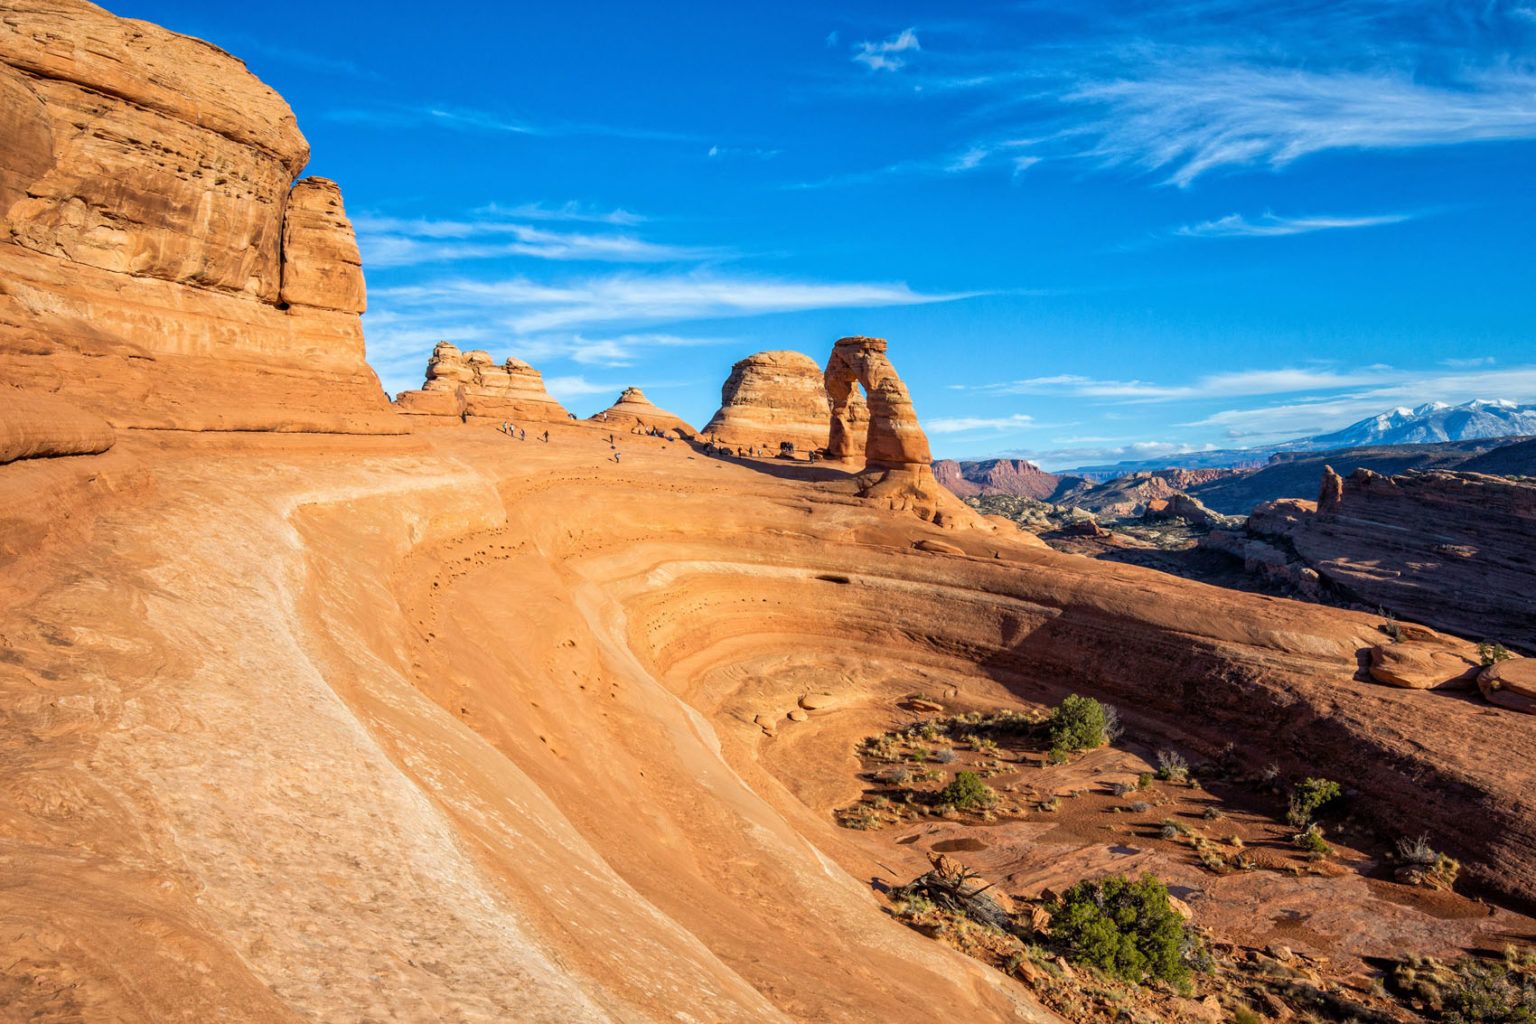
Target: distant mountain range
(1431, 423)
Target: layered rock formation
(1011, 477)
(473, 384)
(1451, 550)
(634, 412)
(149, 270)
(775, 397)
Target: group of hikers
(518, 433)
(713, 446)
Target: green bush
(968, 793)
(1308, 796)
(1125, 928)
(1490, 994)
(1312, 840)
(1077, 723)
(1492, 653)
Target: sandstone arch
(897, 462)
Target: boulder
(1510, 684)
(634, 412)
(1422, 665)
(817, 701)
(772, 398)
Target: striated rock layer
(150, 270)
(471, 383)
(633, 412)
(1449, 549)
(772, 398)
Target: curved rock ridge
(776, 397)
(473, 384)
(37, 425)
(633, 412)
(157, 264)
(898, 466)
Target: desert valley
(321, 705)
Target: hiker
(546, 437)
(615, 455)
(522, 435)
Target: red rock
(1013, 477)
(1421, 665)
(1510, 684)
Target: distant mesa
(780, 397)
(464, 384)
(633, 411)
(1012, 477)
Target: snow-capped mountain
(1433, 422)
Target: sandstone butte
(774, 398)
(317, 710)
(464, 384)
(632, 412)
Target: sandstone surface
(38, 425)
(304, 726)
(634, 412)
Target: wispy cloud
(396, 242)
(528, 307)
(1189, 118)
(1181, 91)
(968, 424)
(1271, 225)
(1233, 384)
(885, 54)
(466, 119)
(615, 350)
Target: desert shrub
(1416, 851)
(967, 792)
(1122, 788)
(1169, 831)
(892, 776)
(1077, 723)
(1212, 813)
(1140, 807)
(1492, 653)
(1391, 628)
(1144, 780)
(1312, 840)
(1125, 928)
(1113, 728)
(1172, 766)
(944, 756)
(1307, 797)
(1489, 993)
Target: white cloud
(1188, 120)
(965, 424)
(1217, 385)
(1271, 225)
(614, 350)
(883, 55)
(526, 307)
(397, 242)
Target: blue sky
(1090, 230)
